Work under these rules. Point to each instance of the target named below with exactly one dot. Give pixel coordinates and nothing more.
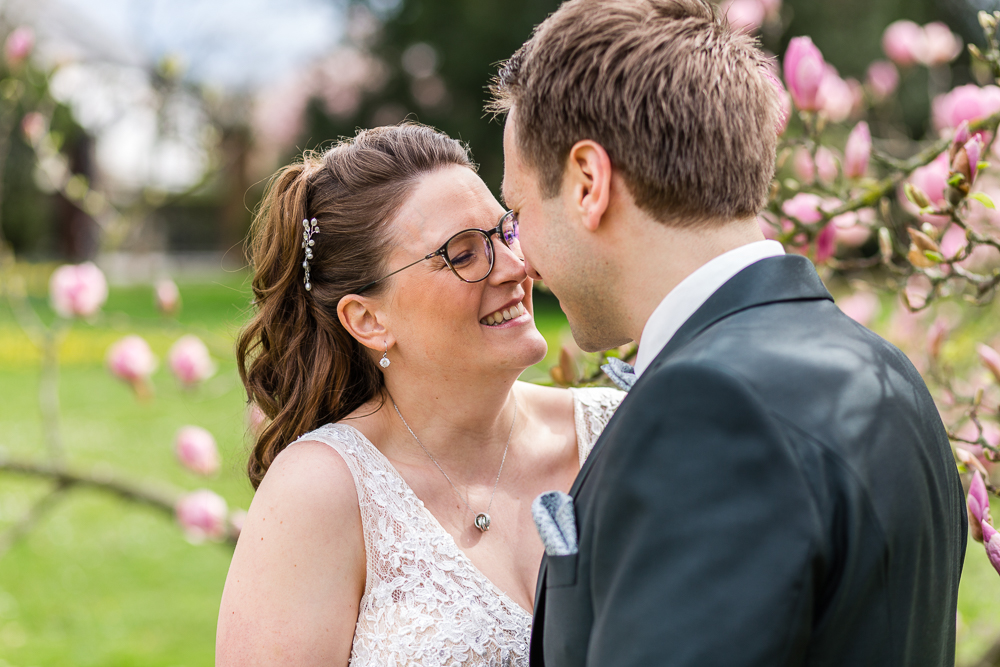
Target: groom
(777, 488)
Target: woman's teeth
(503, 315)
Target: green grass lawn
(104, 583)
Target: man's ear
(588, 177)
(360, 317)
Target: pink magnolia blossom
(168, 297)
(991, 539)
(854, 227)
(882, 79)
(918, 288)
(978, 502)
(941, 45)
(804, 69)
(784, 102)
(858, 151)
(862, 307)
(966, 161)
(835, 97)
(19, 45)
(969, 102)
(826, 243)
(34, 126)
(803, 166)
(952, 242)
(256, 419)
(196, 450)
(131, 360)
(78, 290)
(990, 358)
(744, 15)
(826, 165)
(804, 207)
(903, 42)
(189, 360)
(202, 514)
(931, 179)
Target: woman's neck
(464, 424)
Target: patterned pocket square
(556, 523)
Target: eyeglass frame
(442, 252)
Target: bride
(391, 524)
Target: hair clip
(310, 227)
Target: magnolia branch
(66, 478)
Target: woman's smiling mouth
(501, 316)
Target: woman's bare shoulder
(299, 566)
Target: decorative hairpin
(309, 227)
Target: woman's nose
(507, 266)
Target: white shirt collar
(689, 295)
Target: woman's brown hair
(296, 360)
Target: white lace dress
(425, 604)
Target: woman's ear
(360, 317)
(588, 170)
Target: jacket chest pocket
(560, 571)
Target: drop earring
(384, 361)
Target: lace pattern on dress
(425, 603)
(593, 408)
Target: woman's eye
(463, 258)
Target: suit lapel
(771, 280)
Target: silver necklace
(482, 521)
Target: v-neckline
(434, 521)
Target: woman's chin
(527, 350)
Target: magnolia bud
(78, 290)
(131, 360)
(804, 69)
(922, 240)
(885, 244)
(975, 502)
(189, 361)
(987, 21)
(992, 542)
(196, 450)
(858, 151)
(916, 195)
(19, 45)
(961, 137)
(202, 514)
(168, 297)
(903, 42)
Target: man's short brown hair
(679, 101)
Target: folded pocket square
(622, 374)
(556, 523)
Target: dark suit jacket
(777, 489)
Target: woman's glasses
(470, 253)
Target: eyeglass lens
(471, 252)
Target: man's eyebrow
(503, 198)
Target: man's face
(559, 251)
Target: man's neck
(679, 252)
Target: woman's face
(437, 320)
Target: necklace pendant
(483, 521)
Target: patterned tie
(622, 374)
